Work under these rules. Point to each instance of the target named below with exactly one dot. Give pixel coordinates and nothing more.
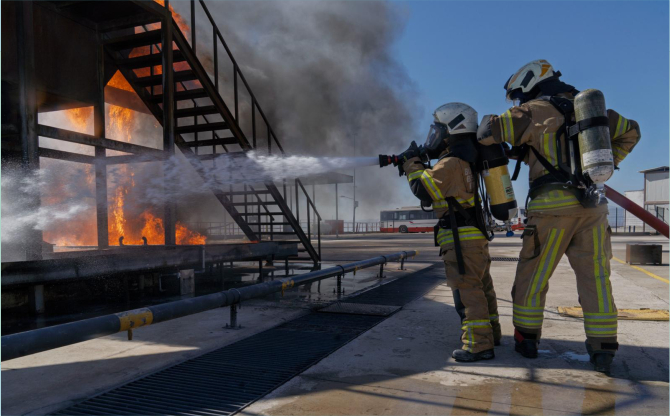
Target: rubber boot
(601, 360)
(468, 357)
(525, 344)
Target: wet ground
(401, 366)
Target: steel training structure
(61, 55)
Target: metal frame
(32, 342)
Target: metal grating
(224, 381)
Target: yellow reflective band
(553, 200)
(440, 204)
(414, 175)
(619, 153)
(550, 148)
(508, 127)
(528, 309)
(545, 266)
(621, 126)
(600, 270)
(431, 186)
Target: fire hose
(641, 213)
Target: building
(656, 192)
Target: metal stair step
(182, 95)
(179, 76)
(269, 223)
(197, 128)
(262, 213)
(196, 111)
(242, 204)
(133, 41)
(144, 61)
(258, 192)
(212, 142)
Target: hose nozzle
(385, 160)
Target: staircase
(188, 102)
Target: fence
(622, 221)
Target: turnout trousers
(586, 241)
(474, 296)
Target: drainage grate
(504, 259)
(224, 381)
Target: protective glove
(412, 151)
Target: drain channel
(225, 381)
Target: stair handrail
(236, 72)
(298, 182)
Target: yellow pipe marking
(135, 318)
(643, 271)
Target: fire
(126, 218)
(181, 22)
(120, 82)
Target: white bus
(407, 220)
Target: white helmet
(526, 78)
(450, 119)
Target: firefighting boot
(468, 357)
(525, 344)
(601, 360)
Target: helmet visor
(436, 135)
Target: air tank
(492, 165)
(595, 146)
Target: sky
(465, 51)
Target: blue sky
(465, 51)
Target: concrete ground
(403, 365)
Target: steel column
(30, 160)
(100, 152)
(168, 123)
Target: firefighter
(451, 187)
(562, 218)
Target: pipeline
(43, 339)
(637, 210)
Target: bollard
(233, 317)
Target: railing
(43, 339)
(237, 76)
(298, 183)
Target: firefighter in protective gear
(557, 220)
(451, 187)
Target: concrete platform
(401, 366)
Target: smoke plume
(325, 75)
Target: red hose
(637, 210)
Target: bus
(407, 220)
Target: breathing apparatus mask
(436, 142)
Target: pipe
(637, 210)
(43, 339)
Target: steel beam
(168, 127)
(32, 342)
(30, 159)
(87, 139)
(93, 264)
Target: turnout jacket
(537, 124)
(450, 177)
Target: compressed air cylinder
(492, 164)
(595, 146)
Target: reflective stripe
(431, 186)
(621, 126)
(469, 325)
(539, 310)
(549, 142)
(600, 270)
(545, 266)
(440, 204)
(493, 317)
(414, 175)
(619, 152)
(553, 200)
(528, 323)
(508, 127)
(444, 236)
